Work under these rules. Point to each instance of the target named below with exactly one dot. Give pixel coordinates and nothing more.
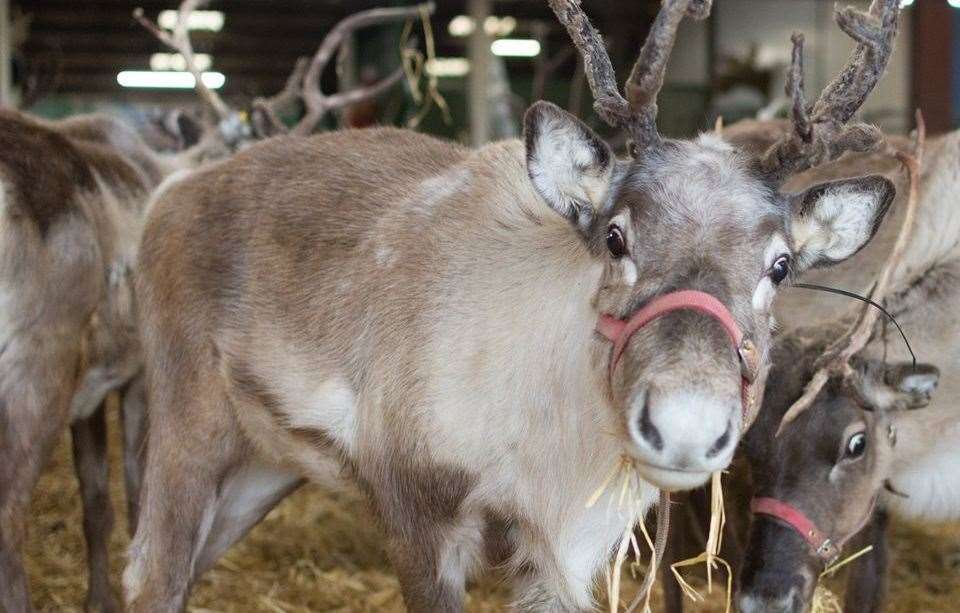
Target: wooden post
(6, 55)
(931, 64)
(479, 74)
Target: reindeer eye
(856, 445)
(780, 269)
(616, 243)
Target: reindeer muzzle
(619, 332)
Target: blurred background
(489, 60)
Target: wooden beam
(932, 64)
(479, 55)
(6, 55)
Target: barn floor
(318, 552)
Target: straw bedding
(323, 552)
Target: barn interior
(468, 70)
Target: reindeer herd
(475, 338)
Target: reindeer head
(823, 474)
(702, 215)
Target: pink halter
(619, 331)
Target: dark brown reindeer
(817, 484)
(860, 442)
(72, 195)
(914, 478)
(425, 317)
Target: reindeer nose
(721, 444)
(684, 429)
(648, 431)
(651, 434)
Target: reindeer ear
(917, 386)
(570, 166)
(897, 386)
(834, 220)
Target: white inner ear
(924, 383)
(766, 290)
(837, 224)
(565, 168)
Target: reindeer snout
(788, 603)
(683, 436)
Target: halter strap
(825, 549)
(619, 331)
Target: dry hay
(321, 552)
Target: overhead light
(518, 47)
(198, 20)
(448, 66)
(175, 61)
(462, 26)
(905, 3)
(168, 79)
(499, 26)
(954, 3)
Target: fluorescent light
(198, 20)
(519, 47)
(168, 79)
(954, 3)
(499, 26)
(905, 3)
(448, 66)
(462, 26)
(175, 61)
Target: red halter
(825, 549)
(619, 331)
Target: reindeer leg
(193, 444)
(202, 491)
(92, 467)
(867, 581)
(432, 541)
(133, 420)
(28, 432)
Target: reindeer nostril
(721, 443)
(649, 431)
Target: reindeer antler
(820, 132)
(304, 81)
(178, 40)
(231, 126)
(319, 104)
(637, 111)
(836, 359)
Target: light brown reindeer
(72, 195)
(72, 199)
(421, 319)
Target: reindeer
(476, 338)
(908, 478)
(232, 130)
(817, 485)
(71, 201)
